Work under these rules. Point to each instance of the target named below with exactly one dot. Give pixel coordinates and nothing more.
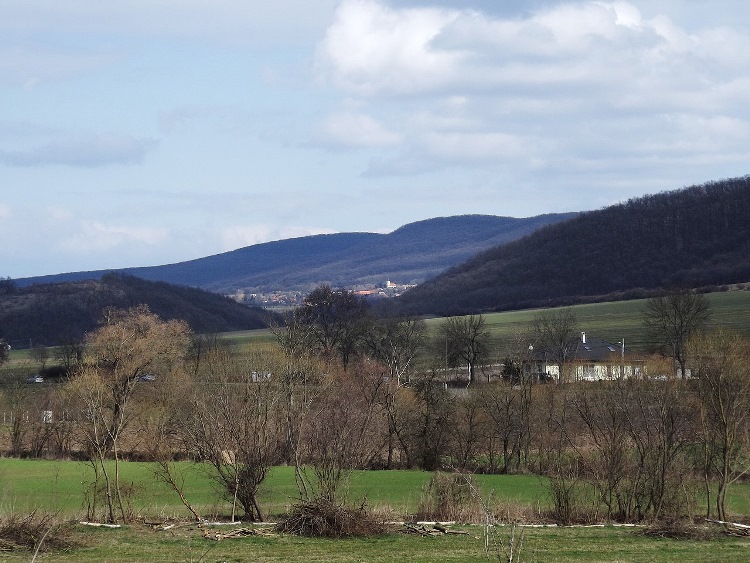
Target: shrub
(451, 497)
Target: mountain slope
(49, 314)
(692, 237)
(410, 254)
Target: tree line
(342, 389)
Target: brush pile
(32, 532)
(324, 519)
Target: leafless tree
(469, 429)
(502, 405)
(340, 433)
(556, 334)
(672, 319)
(130, 345)
(70, 353)
(236, 425)
(467, 341)
(41, 355)
(338, 320)
(659, 422)
(721, 360)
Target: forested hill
(693, 237)
(410, 254)
(49, 314)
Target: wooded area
(689, 238)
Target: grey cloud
(87, 152)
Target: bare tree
(502, 405)
(4, 351)
(556, 335)
(130, 345)
(341, 430)
(721, 361)
(395, 342)
(672, 319)
(466, 341)
(70, 353)
(659, 423)
(469, 428)
(41, 355)
(236, 425)
(338, 319)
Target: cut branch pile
(236, 533)
(732, 528)
(430, 530)
(321, 518)
(31, 532)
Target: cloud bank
(574, 86)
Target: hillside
(49, 314)
(693, 237)
(410, 254)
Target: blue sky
(145, 132)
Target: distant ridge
(410, 254)
(51, 314)
(692, 237)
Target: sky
(147, 132)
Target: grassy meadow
(611, 321)
(58, 487)
(560, 545)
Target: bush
(451, 497)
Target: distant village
(294, 298)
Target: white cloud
(563, 83)
(4, 211)
(95, 236)
(89, 151)
(370, 48)
(350, 129)
(478, 146)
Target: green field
(611, 321)
(57, 487)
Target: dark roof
(592, 350)
(596, 350)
